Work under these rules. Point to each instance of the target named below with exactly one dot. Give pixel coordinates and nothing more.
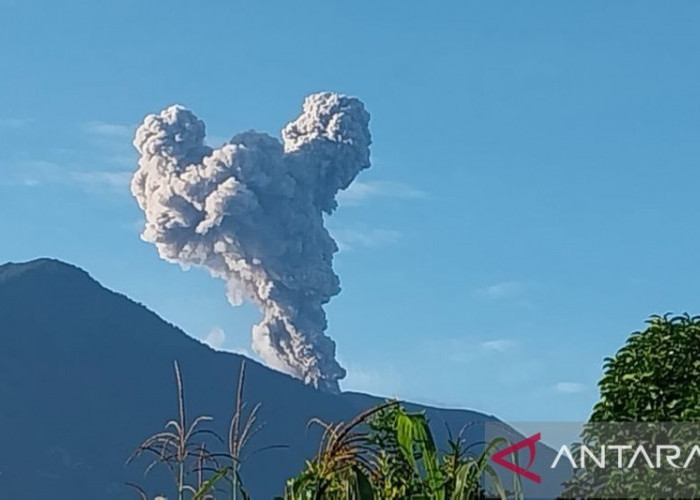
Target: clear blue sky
(533, 195)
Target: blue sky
(532, 198)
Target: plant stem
(181, 480)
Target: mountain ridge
(86, 374)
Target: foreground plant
(389, 453)
(416, 468)
(345, 465)
(242, 428)
(175, 447)
(383, 453)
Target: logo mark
(528, 443)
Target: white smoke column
(251, 212)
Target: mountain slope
(86, 374)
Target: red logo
(530, 444)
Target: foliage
(384, 452)
(397, 476)
(389, 453)
(654, 379)
(344, 466)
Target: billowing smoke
(251, 212)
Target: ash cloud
(251, 212)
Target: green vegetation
(385, 453)
(655, 377)
(649, 392)
(651, 383)
(388, 453)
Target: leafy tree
(655, 377)
(653, 380)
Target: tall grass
(175, 446)
(383, 453)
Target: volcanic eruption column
(251, 212)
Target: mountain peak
(44, 265)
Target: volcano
(86, 374)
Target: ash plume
(251, 212)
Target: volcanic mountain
(86, 374)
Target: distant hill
(86, 374)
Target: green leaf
(209, 483)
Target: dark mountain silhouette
(86, 374)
